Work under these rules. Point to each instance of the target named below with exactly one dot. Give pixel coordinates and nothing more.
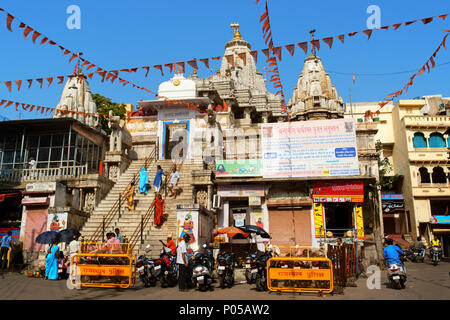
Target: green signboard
(238, 168)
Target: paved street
(424, 282)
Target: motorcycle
(250, 268)
(435, 255)
(146, 269)
(414, 254)
(225, 269)
(397, 275)
(261, 264)
(203, 265)
(169, 268)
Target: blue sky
(124, 34)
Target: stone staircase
(96, 218)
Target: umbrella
(68, 234)
(257, 230)
(47, 237)
(231, 232)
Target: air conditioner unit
(217, 201)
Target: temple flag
(148, 69)
(193, 64)
(304, 46)
(396, 26)
(9, 20)
(50, 80)
(410, 22)
(30, 81)
(206, 62)
(19, 83)
(443, 16)
(290, 48)
(352, 34)
(35, 36)
(8, 85)
(328, 41)
(159, 67)
(277, 52)
(341, 37)
(427, 20)
(368, 32)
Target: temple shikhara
(307, 178)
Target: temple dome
(177, 87)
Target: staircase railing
(115, 209)
(138, 234)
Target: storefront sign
(239, 219)
(41, 186)
(240, 190)
(57, 221)
(359, 222)
(340, 191)
(309, 149)
(239, 168)
(392, 197)
(440, 219)
(142, 126)
(254, 201)
(393, 206)
(318, 220)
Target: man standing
(171, 244)
(182, 261)
(6, 244)
(119, 236)
(174, 177)
(419, 246)
(72, 249)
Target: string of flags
(431, 61)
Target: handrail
(108, 218)
(46, 174)
(148, 215)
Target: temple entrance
(175, 139)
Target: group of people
(158, 203)
(393, 252)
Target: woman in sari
(51, 261)
(158, 203)
(158, 178)
(129, 195)
(143, 180)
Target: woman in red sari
(159, 209)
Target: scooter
(397, 275)
(250, 268)
(414, 254)
(169, 269)
(435, 255)
(202, 269)
(225, 269)
(145, 269)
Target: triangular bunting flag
(32, 107)
(2, 102)
(352, 34)
(254, 55)
(85, 63)
(66, 52)
(181, 66)
(290, 48)
(40, 81)
(8, 104)
(385, 28)
(277, 52)
(341, 37)
(304, 46)
(27, 31)
(266, 52)
(61, 79)
(72, 57)
(51, 42)
(91, 66)
(148, 69)
(17, 105)
(427, 20)
(433, 64)
(328, 41)
(22, 25)
(159, 67)
(90, 75)
(18, 83)
(396, 26)
(8, 85)
(206, 62)
(443, 16)
(216, 58)
(9, 20)
(169, 65)
(410, 22)
(29, 83)
(368, 32)
(50, 80)
(35, 36)
(243, 56)
(44, 40)
(263, 16)
(428, 67)
(193, 64)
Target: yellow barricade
(314, 274)
(103, 265)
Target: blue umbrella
(47, 237)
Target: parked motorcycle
(414, 254)
(145, 268)
(261, 264)
(169, 268)
(203, 265)
(225, 269)
(250, 268)
(435, 255)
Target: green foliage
(104, 105)
(387, 183)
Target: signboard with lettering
(102, 270)
(240, 190)
(359, 222)
(338, 191)
(238, 168)
(142, 126)
(318, 220)
(309, 149)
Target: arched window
(437, 140)
(424, 175)
(419, 140)
(438, 175)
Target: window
(424, 175)
(438, 175)
(437, 140)
(419, 140)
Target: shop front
(440, 223)
(394, 216)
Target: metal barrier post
(120, 204)
(103, 229)
(142, 230)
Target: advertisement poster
(318, 148)
(258, 217)
(142, 126)
(249, 190)
(359, 222)
(318, 220)
(239, 168)
(338, 191)
(187, 223)
(239, 219)
(57, 221)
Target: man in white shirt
(72, 249)
(174, 177)
(182, 262)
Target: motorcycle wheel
(202, 287)
(248, 277)
(435, 263)
(163, 282)
(396, 284)
(152, 282)
(145, 281)
(258, 282)
(222, 282)
(402, 284)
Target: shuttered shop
(290, 226)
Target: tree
(384, 168)
(104, 105)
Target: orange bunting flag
(216, 58)
(148, 69)
(206, 62)
(269, 36)
(40, 80)
(270, 45)
(159, 67)
(29, 83)
(266, 27)
(17, 104)
(290, 48)
(352, 34)
(26, 32)
(354, 78)
(396, 26)
(18, 83)
(230, 59)
(73, 57)
(243, 56)
(427, 20)
(328, 41)
(91, 66)
(66, 52)
(2, 102)
(443, 16)
(44, 40)
(316, 44)
(50, 80)
(90, 75)
(433, 64)
(277, 52)
(341, 37)
(193, 64)
(51, 42)
(266, 52)
(180, 67)
(368, 32)
(410, 22)
(422, 70)
(8, 104)
(32, 107)
(22, 25)
(304, 46)
(35, 36)
(428, 67)
(61, 79)
(443, 41)
(9, 20)
(8, 85)
(169, 65)
(85, 63)
(385, 28)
